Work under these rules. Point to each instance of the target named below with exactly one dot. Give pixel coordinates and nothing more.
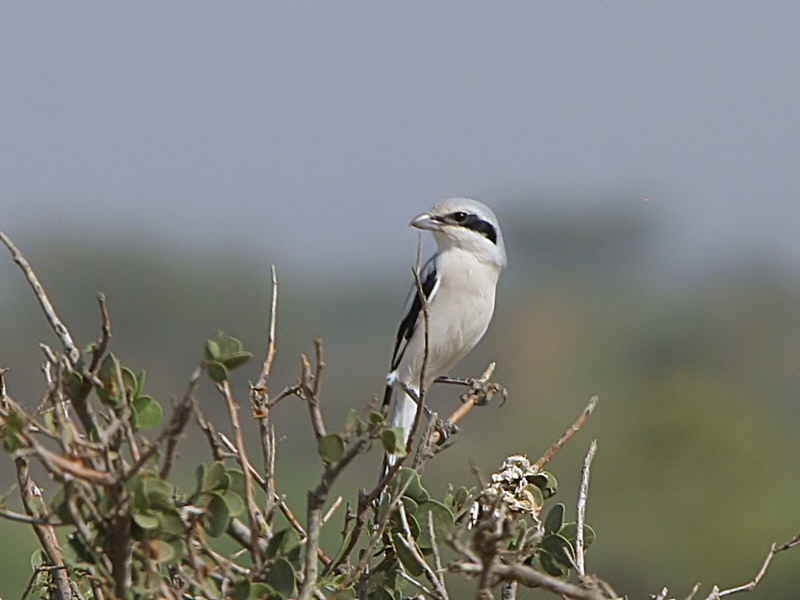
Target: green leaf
(146, 412)
(170, 523)
(331, 447)
(228, 345)
(376, 418)
(234, 502)
(353, 423)
(396, 523)
(459, 499)
(109, 394)
(216, 371)
(551, 567)
(278, 543)
(546, 482)
(393, 443)
(159, 493)
(294, 556)
(58, 505)
(214, 477)
(79, 548)
(140, 379)
(178, 551)
(145, 520)
(212, 350)
(382, 593)
(410, 504)
(246, 590)
(535, 496)
(108, 368)
(235, 481)
(555, 519)
(570, 531)
(560, 549)
(443, 522)
(74, 385)
(163, 552)
(414, 490)
(237, 359)
(282, 578)
(129, 381)
(406, 557)
(218, 516)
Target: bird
(459, 283)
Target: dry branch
(567, 435)
(41, 295)
(583, 497)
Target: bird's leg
(480, 390)
(415, 397)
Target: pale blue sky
(292, 124)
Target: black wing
(429, 278)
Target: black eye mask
(475, 223)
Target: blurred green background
(642, 158)
(696, 471)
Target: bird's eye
(459, 217)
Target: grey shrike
(459, 283)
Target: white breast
(459, 313)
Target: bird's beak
(426, 221)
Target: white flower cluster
(512, 486)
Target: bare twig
(19, 517)
(259, 397)
(795, 541)
(567, 435)
(180, 418)
(425, 356)
(287, 512)
(61, 467)
(694, 591)
(101, 346)
(316, 500)
(35, 574)
(750, 586)
(310, 389)
(583, 497)
(31, 495)
(41, 295)
(438, 575)
(417, 584)
(774, 549)
(266, 366)
(407, 540)
(531, 578)
(471, 402)
(336, 504)
(241, 455)
(362, 568)
(171, 432)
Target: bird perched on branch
(459, 284)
